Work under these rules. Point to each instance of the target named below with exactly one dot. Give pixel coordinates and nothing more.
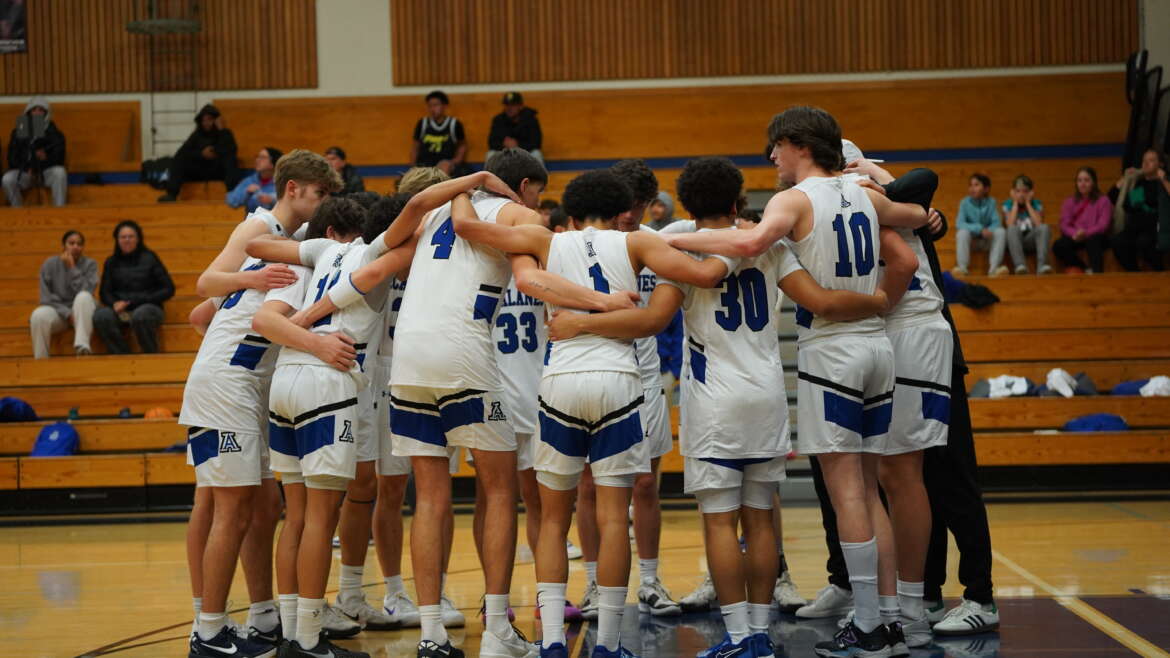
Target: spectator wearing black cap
(208, 154)
(438, 139)
(351, 179)
(515, 127)
(257, 190)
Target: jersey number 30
(745, 301)
(862, 241)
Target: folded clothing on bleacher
(1097, 423)
(1158, 386)
(1004, 386)
(967, 294)
(1059, 382)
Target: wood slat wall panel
(82, 46)
(533, 41)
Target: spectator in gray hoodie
(36, 155)
(67, 283)
(661, 211)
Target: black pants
(1138, 238)
(197, 168)
(956, 504)
(144, 320)
(1094, 245)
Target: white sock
(263, 617)
(861, 559)
(611, 604)
(211, 623)
(590, 573)
(735, 619)
(349, 582)
(288, 614)
(394, 585)
(910, 599)
(648, 569)
(431, 622)
(495, 611)
(759, 617)
(888, 608)
(197, 604)
(310, 616)
(551, 599)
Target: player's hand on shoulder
(336, 350)
(273, 276)
(564, 325)
(870, 184)
(622, 299)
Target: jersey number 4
(444, 239)
(862, 241)
(510, 324)
(745, 301)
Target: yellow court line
(1098, 619)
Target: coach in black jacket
(208, 154)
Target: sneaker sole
(823, 614)
(383, 626)
(859, 653)
(341, 634)
(987, 628)
(669, 611)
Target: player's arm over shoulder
(223, 275)
(834, 305)
(508, 237)
(650, 250)
(892, 213)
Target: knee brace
(758, 495)
(558, 481)
(625, 481)
(718, 501)
(292, 478)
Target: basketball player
(590, 393)
(226, 435)
(846, 376)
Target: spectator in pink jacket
(1085, 218)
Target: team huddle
(350, 342)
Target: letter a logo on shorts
(228, 442)
(346, 432)
(497, 412)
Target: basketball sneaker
(602, 652)
(702, 599)
(513, 646)
(762, 646)
(850, 641)
(271, 638)
(897, 639)
(452, 617)
(401, 610)
(324, 649)
(917, 632)
(727, 649)
(589, 602)
(654, 599)
(430, 649)
(786, 596)
(572, 550)
(831, 601)
(360, 610)
(935, 611)
(557, 650)
(335, 625)
(969, 618)
(227, 643)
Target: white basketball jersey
(647, 348)
(443, 338)
(334, 264)
(390, 320)
(923, 300)
(599, 260)
(841, 252)
(520, 336)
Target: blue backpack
(56, 439)
(15, 410)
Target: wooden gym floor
(1072, 579)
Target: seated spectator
(1026, 231)
(208, 154)
(67, 284)
(979, 223)
(1141, 193)
(1085, 218)
(661, 211)
(36, 155)
(350, 178)
(417, 179)
(438, 140)
(546, 207)
(259, 189)
(515, 128)
(135, 284)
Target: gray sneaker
(401, 610)
(702, 599)
(335, 624)
(360, 610)
(589, 602)
(655, 600)
(786, 596)
(831, 601)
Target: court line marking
(1093, 616)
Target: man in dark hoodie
(515, 127)
(208, 154)
(36, 154)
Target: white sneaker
(589, 601)
(654, 599)
(969, 618)
(451, 615)
(573, 551)
(785, 595)
(360, 610)
(702, 599)
(917, 632)
(401, 610)
(336, 625)
(1044, 269)
(524, 554)
(831, 601)
(513, 646)
(935, 611)
(1021, 269)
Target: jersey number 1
(325, 283)
(862, 244)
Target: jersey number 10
(862, 244)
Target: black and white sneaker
(324, 649)
(897, 639)
(654, 599)
(969, 618)
(850, 641)
(227, 643)
(271, 638)
(431, 649)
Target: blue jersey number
(234, 298)
(444, 239)
(745, 301)
(600, 283)
(862, 244)
(324, 284)
(511, 324)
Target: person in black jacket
(134, 286)
(208, 154)
(515, 127)
(36, 154)
(351, 180)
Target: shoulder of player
(515, 214)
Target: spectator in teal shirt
(1026, 230)
(979, 223)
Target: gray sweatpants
(964, 240)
